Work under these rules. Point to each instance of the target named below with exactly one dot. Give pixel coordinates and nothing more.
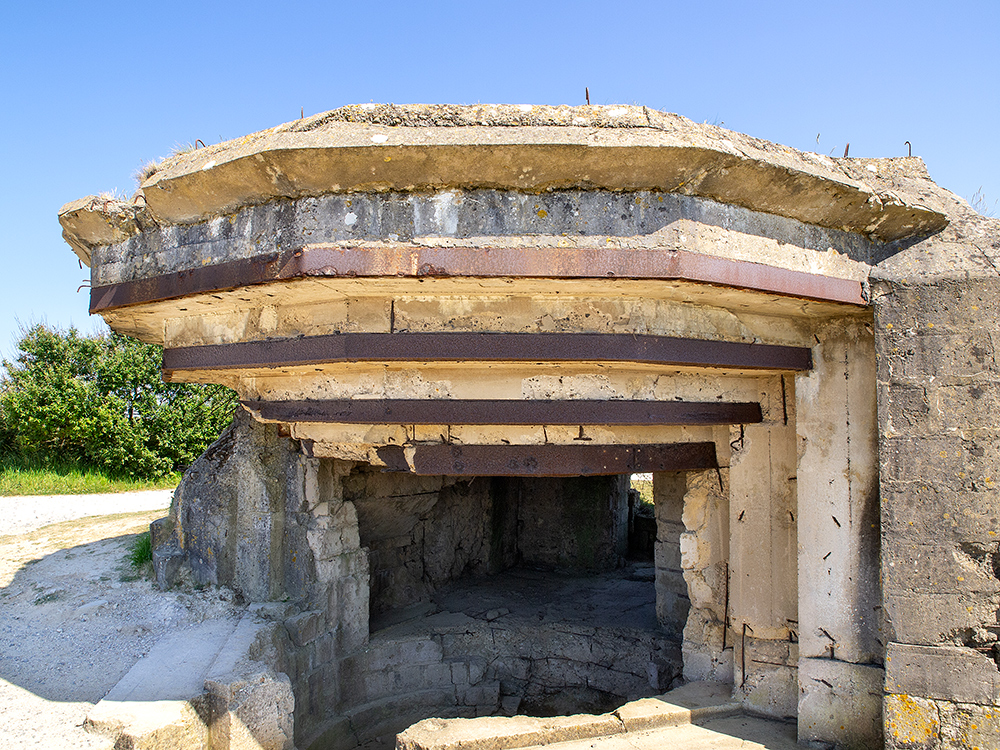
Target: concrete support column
(763, 579)
(672, 602)
(705, 561)
(840, 646)
(939, 420)
(341, 562)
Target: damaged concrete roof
(382, 147)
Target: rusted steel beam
(506, 412)
(559, 460)
(482, 262)
(488, 347)
(202, 280)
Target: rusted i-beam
(554, 460)
(478, 262)
(506, 412)
(488, 347)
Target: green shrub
(100, 401)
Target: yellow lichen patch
(911, 720)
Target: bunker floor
(621, 598)
(553, 643)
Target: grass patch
(20, 476)
(141, 551)
(138, 562)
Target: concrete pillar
(840, 645)
(705, 561)
(672, 602)
(763, 578)
(341, 562)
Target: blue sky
(91, 91)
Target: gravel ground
(19, 515)
(74, 616)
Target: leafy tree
(100, 401)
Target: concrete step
(159, 701)
(694, 703)
(697, 703)
(736, 732)
(376, 723)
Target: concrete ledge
(149, 725)
(946, 673)
(693, 703)
(504, 147)
(505, 733)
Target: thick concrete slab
(175, 668)
(742, 732)
(154, 704)
(701, 702)
(522, 148)
(695, 702)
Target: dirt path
(73, 619)
(19, 515)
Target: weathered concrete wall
(228, 517)
(256, 515)
(692, 568)
(421, 532)
(645, 218)
(573, 522)
(938, 383)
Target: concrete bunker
(447, 325)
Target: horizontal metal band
(487, 347)
(506, 412)
(217, 277)
(549, 460)
(484, 262)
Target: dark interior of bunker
(547, 581)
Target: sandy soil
(19, 515)
(74, 618)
